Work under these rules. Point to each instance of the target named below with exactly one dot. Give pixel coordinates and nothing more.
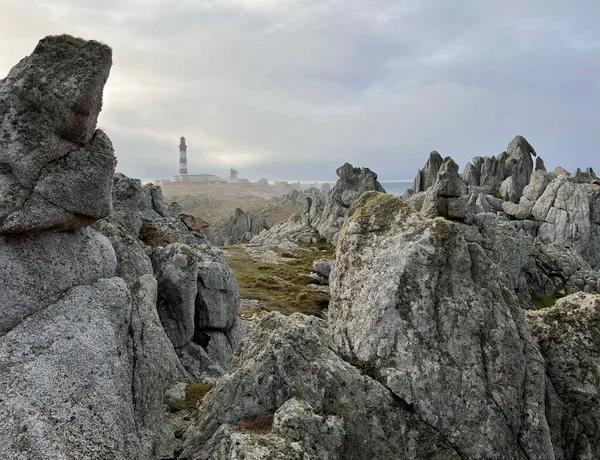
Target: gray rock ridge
(55, 166)
(569, 339)
(198, 300)
(553, 207)
(270, 369)
(323, 218)
(431, 313)
(239, 229)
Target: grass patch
(281, 287)
(542, 301)
(260, 424)
(194, 393)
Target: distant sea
(396, 187)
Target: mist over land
(293, 89)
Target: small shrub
(542, 301)
(194, 393)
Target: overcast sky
(291, 89)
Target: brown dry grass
(260, 424)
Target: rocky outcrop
(324, 218)
(84, 355)
(240, 228)
(55, 166)
(351, 184)
(568, 337)
(198, 301)
(338, 408)
(439, 326)
(426, 177)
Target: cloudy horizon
(290, 89)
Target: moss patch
(542, 301)
(281, 287)
(194, 393)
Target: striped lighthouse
(182, 156)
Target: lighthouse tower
(182, 157)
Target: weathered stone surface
(570, 215)
(193, 223)
(132, 260)
(176, 270)
(446, 196)
(271, 366)
(73, 386)
(322, 267)
(320, 436)
(427, 176)
(155, 366)
(431, 314)
(351, 184)
(537, 184)
(198, 301)
(539, 164)
(519, 211)
(232, 443)
(218, 297)
(569, 338)
(36, 270)
(56, 168)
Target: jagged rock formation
(440, 327)
(271, 368)
(75, 342)
(324, 218)
(84, 355)
(426, 176)
(55, 166)
(240, 228)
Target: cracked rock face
(431, 313)
(343, 413)
(568, 335)
(55, 167)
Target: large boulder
(56, 167)
(351, 184)
(37, 270)
(430, 313)
(81, 380)
(271, 367)
(198, 301)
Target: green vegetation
(194, 393)
(281, 287)
(496, 194)
(545, 300)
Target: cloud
(290, 88)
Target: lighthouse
(182, 157)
